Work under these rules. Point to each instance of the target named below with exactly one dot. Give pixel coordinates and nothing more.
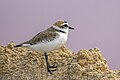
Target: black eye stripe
(62, 26)
(65, 25)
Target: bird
(48, 40)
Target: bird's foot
(51, 68)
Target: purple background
(96, 23)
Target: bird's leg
(48, 66)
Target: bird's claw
(53, 66)
(50, 71)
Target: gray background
(96, 23)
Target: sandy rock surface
(24, 64)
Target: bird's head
(62, 25)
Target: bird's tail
(18, 45)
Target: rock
(24, 64)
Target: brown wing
(47, 35)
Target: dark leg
(48, 66)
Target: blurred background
(96, 23)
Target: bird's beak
(71, 28)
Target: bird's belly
(49, 46)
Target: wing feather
(47, 35)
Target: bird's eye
(62, 26)
(65, 25)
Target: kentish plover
(48, 40)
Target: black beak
(71, 28)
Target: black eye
(65, 25)
(62, 26)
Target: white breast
(52, 45)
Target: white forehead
(64, 24)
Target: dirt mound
(24, 64)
